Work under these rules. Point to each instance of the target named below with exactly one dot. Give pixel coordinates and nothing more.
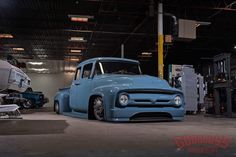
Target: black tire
(29, 90)
(98, 109)
(56, 108)
(28, 104)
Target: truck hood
(133, 82)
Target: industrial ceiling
(45, 29)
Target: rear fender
(64, 102)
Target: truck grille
(151, 98)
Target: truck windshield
(119, 67)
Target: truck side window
(77, 75)
(87, 70)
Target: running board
(76, 114)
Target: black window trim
(76, 73)
(90, 71)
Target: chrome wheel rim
(98, 108)
(27, 104)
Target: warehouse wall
(49, 83)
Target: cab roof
(92, 60)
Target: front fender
(108, 94)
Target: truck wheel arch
(90, 106)
(56, 108)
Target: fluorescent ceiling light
(77, 39)
(234, 46)
(146, 53)
(18, 49)
(80, 18)
(42, 55)
(35, 63)
(39, 70)
(75, 51)
(72, 59)
(6, 36)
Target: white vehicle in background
(12, 80)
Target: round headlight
(123, 99)
(178, 100)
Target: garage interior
(48, 38)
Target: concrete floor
(46, 134)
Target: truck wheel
(27, 104)
(98, 108)
(56, 107)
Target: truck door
(81, 88)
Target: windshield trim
(101, 68)
(134, 63)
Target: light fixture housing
(72, 59)
(75, 51)
(18, 49)
(77, 39)
(35, 63)
(146, 54)
(80, 18)
(39, 70)
(6, 36)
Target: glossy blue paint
(149, 97)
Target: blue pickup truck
(114, 89)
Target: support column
(160, 41)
